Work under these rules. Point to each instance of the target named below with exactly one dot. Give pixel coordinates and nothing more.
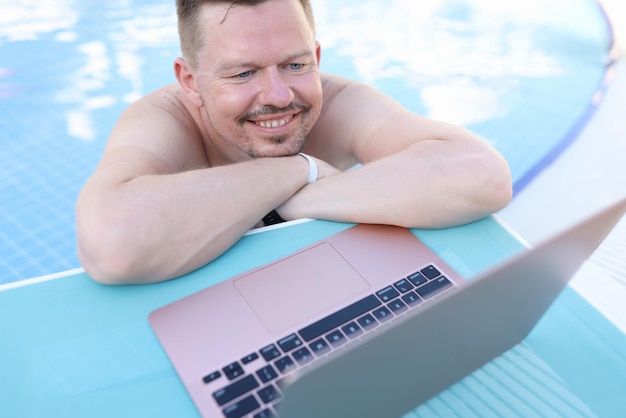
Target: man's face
(257, 74)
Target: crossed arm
(154, 209)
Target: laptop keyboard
(252, 385)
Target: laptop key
(249, 358)
(412, 299)
(417, 278)
(319, 346)
(403, 285)
(267, 373)
(397, 306)
(241, 408)
(211, 377)
(235, 390)
(270, 352)
(431, 272)
(269, 394)
(289, 343)
(387, 294)
(432, 288)
(336, 338)
(382, 314)
(266, 413)
(285, 364)
(302, 356)
(338, 318)
(352, 330)
(367, 322)
(233, 371)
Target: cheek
(311, 91)
(314, 98)
(229, 102)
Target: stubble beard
(292, 143)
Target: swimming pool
(524, 75)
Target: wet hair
(189, 10)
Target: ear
(187, 81)
(318, 52)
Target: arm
(154, 209)
(415, 172)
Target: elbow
(494, 189)
(102, 263)
(482, 188)
(101, 271)
(105, 249)
(502, 196)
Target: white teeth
(274, 123)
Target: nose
(274, 90)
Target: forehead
(229, 32)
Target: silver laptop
(334, 328)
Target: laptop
(366, 314)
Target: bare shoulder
(346, 91)
(358, 121)
(161, 126)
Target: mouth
(274, 123)
(272, 119)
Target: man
(193, 166)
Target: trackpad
(296, 288)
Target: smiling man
(252, 127)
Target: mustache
(273, 110)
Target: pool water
(524, 75)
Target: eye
(296, 67)
(245, 74)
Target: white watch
(312, 168)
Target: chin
(277, 149)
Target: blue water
(520, 74)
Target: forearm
(429, 184)
(156, 227)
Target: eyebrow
(233, 65)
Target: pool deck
(586, 176)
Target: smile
(277, 123)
